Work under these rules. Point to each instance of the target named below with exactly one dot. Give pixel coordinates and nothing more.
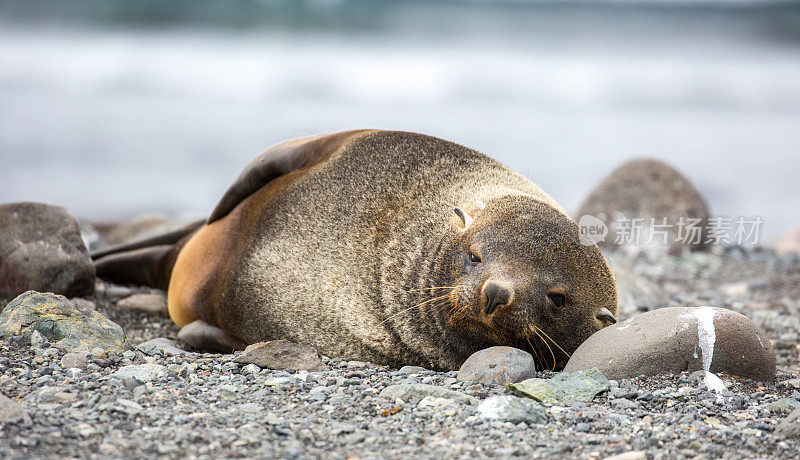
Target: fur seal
(385, 246)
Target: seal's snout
(497, 294)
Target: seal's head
(523, 278)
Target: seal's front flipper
(204, 336)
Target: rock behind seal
(41, 249)
(65, 325)
(673, 340)
(647, 189)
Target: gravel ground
(206, 405)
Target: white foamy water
(109, 123)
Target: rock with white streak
(677, 339)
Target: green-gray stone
(67, 327)
(792, 383)
(783, 405)
(577, 386)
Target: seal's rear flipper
(204, 336)
(158, 240)
(146, 262)
(145, 267)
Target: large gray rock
(497, 366)
(789, 428)
(41, 249)
(68, 327)
(282, 354)
(647, 189)
(512, 409)
(563, 387)
(677, 339)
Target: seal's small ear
(466, 219)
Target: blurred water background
(113, 108)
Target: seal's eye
(473, 259)
(557, 300)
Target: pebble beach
(124, 121)
(160, 399)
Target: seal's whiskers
(537, 331)
(415, 306)
(555, 343)
(430, 288)
(535, 351)
(456, 306)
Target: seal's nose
(497, 294)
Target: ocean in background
(117, 108)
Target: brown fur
(340, 250)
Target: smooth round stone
(497, 366)
(674, 340)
